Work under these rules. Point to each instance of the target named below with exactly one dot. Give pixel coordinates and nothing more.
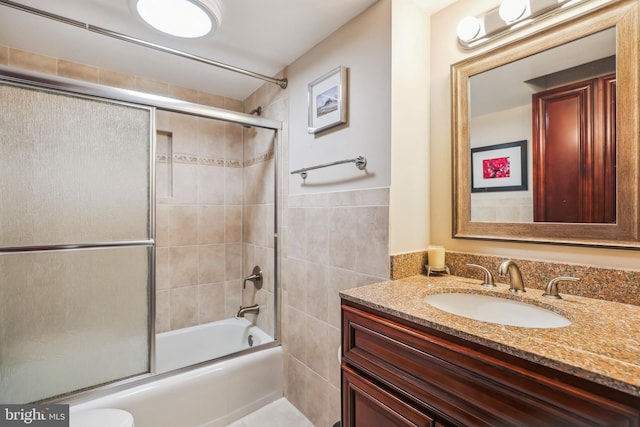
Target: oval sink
(497, 310)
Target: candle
(435, 256)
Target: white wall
(364, 46)
(409, 196)
(444, 52)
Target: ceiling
(258, 35)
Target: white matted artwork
(328, 100)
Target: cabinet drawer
(466, 384)
(368, 405)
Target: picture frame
(328, 100)
(499, 167)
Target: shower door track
(74, 246)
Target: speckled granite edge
(608, 284)
(600, 345)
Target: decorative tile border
(207, 161)
(595, 282)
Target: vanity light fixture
(181, 18)
(512, 10)
(511, 14)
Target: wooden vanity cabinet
(398, 373)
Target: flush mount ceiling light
(181, 18)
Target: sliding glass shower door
(76, 242)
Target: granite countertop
(602, 344)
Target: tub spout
(248, 309)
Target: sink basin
(497, 310)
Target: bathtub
(195, 344)
(210, 395)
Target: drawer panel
(367, 405)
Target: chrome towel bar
(360, 161)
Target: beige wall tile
(184, 307)
(152, 86)
(183, 93)
(295, 383)
(317, 346)
(318, 398)
(211, 100)
(210, 185)
(211, 303)
(115, 79)
(162, 225)
(211, 264)
(163, 311)
(185, 183)
(183, 266)
(4, 55)
(233, 261)
(162, 269)
(317, 290)
(185, 133)
(233, 185)
(32, 61)
(373, 252)
(211, 224)
(232, 296)
(76, 71)
(211, 138)
(233, 224)
(233, 105)
(183, 225)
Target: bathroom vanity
(407, 363)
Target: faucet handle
(488, 281)
(551, 291)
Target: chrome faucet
(515, 276)
(248, 309)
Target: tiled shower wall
(199, 213)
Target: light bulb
(468, 28)
(511, 10)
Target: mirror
(504, 159)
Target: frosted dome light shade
(510, 10)
(468, 28)
(181, 18)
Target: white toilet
(101, 418)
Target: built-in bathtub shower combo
(137, 245)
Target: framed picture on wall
(328, 100)
(499, 167)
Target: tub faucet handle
(256, 278)
(551, 290)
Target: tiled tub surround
(609, 284)
(210, 213)
(600, 345)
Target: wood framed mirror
(603, 159)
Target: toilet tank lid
(101, 418)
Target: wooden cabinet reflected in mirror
(571, 92)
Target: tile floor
(280, 413)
